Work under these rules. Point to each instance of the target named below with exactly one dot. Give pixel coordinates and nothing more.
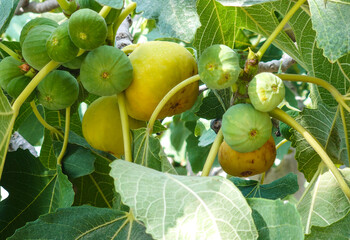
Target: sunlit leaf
(331, 22)
(324, 203)
(183, 207)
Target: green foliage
(154, 197)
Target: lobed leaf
(276, 219)
(33, 190)
(183, 207)
(324, 203)
(83, 222)
(331, 23)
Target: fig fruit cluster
(248, 146)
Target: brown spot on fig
(246, 173)
(24, 67)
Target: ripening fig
(244, 128)
(218, 66)
(247, 164)
(158, 67)
(102, 127)
(87, 29)
(266, 91)
(106, 71)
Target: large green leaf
(183, 207)
(331, 21)
(83, 222)
(148, 152)
(279, 188)
(6, 117)
(214, 104)
(276, 219)
(337, 231)
(242, 3)
(175, 18)
(33, 191)
(323, 202)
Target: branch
(124, 37)
(273, 66)
(25, 6)
(17, 141)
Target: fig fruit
(33, 23)
(244, 128)
(76, 62)
(59, 46)
(87, 29)
(93, 5)
(247, 164)
(102, 127)
(106, 71)
(58, 90)
(17, 85)
(218, 66)
(158, 67)
(34, 46)
(266, 91)
(9, 69)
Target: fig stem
(32, 85)
(130, 48)
(42, 120)
(212, 154)
(66, 135)
(104, 11)
(342, 114)
(284, 117)
(68, 7)
(279, 28)
(166, 98)
(262, 179)
(10, 52)
(281, 143)
(125, 126)
(128, 9)
(320, 82)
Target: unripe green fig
(33, 23)
(59, 46)
(244, 128)
(76, 62)
(106, 71)
(17, 85)
(93, 5)
(58, 90)
(9, 69)
(34, 46)
(218, 66)
(266, 91)
(87, 29)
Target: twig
(272, 66)
(25, 6)
(17, 141)
(124, 37)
